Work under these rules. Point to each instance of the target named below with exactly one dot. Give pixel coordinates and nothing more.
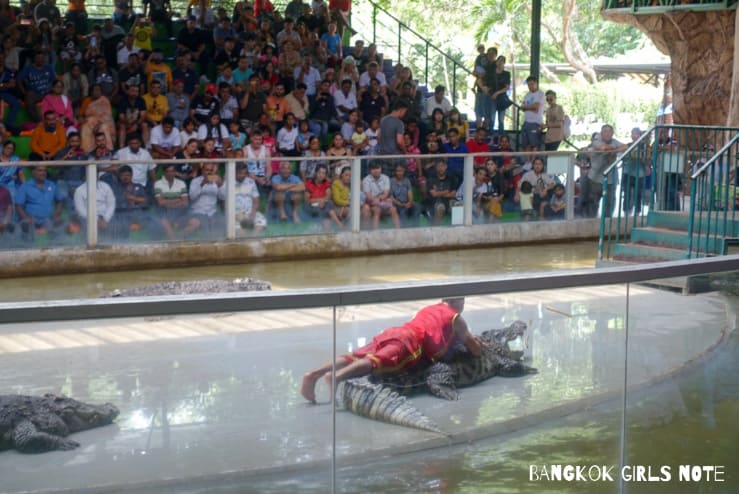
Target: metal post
(230, 200)
(469, 184)
(400, 29)
(356, 186)
(426, 71)
(570, 188)
(535, 36)
(92, 206)
(374, 23)
(454, 83)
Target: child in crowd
(188, 131)
(412, 127)
(347, 128)
(554, 208)
(237, 138)
(373, 135)
(411, 163)
(360, 141)
(526, 200)
(226, 76)
(304, 136)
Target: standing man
(428, 336)
(555, 122)
(392, 139)
(605, 148)
(533, 106)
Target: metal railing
(657, 172)
(395, 37)
(561, 165)
(656, 6)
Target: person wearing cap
(124, 51)
(428, 336)
(204, 104)
(157, 69)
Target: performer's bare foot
(308, 389)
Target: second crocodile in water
(383, 396)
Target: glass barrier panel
(206, 402)
(524, 429)
(683, 384)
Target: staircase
(666, 238)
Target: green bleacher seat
(22, 146)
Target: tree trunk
(701, 47)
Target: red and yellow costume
(427, 335)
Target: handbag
(502, 102)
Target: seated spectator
(308, 75)
(132, 116)
(251, 103)
(11, 176)
(170, 194)
(34, 82)
(215, 130)
(157, 106)
(143, 32)
(359, 140)
(191, 41)
(124, 52)
(288, 61)
(106, 77)
(338, 148)
(542, 184)
(184, 72)
(77, 15)
(204, 105)
(554, 207)
(69, 50)
(178, 103)
(340, 194)
(492, 200)
(401, 193)
(165, 140)
(190, 168)
(286, 189)
(478, 144)
(438, 100)
(69, 177)
(57, 102)
(318, 198)
(101, 151)
(411, 164)
(39, 204)
(323, 110)
(248, 217)
(131, 202)
(304, 136)
(132, 74)
(227, 104)
(8, 84)
(318, 158)
(237, 139)
(287, 137)
(104, 201)
(76, 87)
(455, 121)
(143, 172)
(373, 73)
(276, 105)
(227, 55)
(205, 191)
(455, 146)
(372, 104)
(257, 155)
(157, 70)
(96, 116)
(373, 136)
(441, 189)
(479, 189)
(7, 223)
(347, 127)
(376, 188)
(298, 104)
(47, 139)
(333, 43)
(345, 100)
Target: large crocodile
(36, 424)
(381, 396)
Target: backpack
(566, 132)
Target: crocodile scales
(36, 424)
(383, 396)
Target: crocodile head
(503, 336)
(80, 416)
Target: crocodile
(383, 396)
(37, 424)
(197, 286)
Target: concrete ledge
(52, 261)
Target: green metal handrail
(657, 6)
(674, 150)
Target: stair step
(677, 220)
(670, 238)
(647, 253)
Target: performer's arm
(471, 342)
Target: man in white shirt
(373, 72)
(533, 106)
(308, 75)
(143, 171)
(376, 188)
(438, 100)
(104, 199)
(126, 50)
(345, 100)
(165, 140)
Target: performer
(427, 336)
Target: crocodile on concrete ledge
(196, 286)
(36, 424)
(380, 397)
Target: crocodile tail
(378, 402)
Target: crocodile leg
(514, 368)
(440, 381)
(28, 439)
